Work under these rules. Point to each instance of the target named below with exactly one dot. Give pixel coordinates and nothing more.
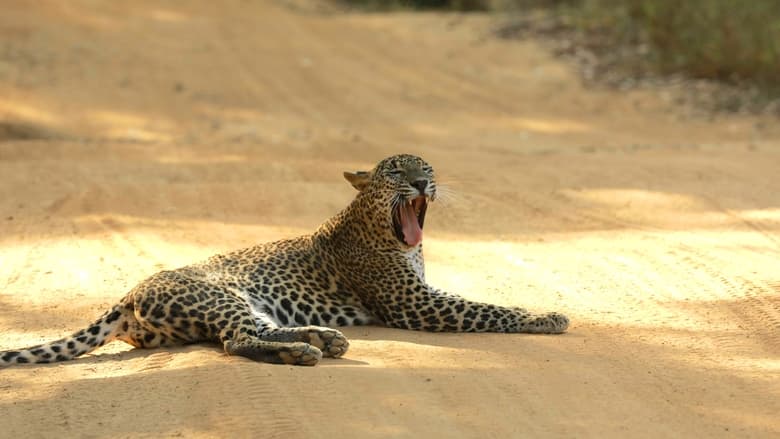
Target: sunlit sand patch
(13, 339)
(161, 229)
(742, 418)
(543, 126)
(606, 277)
(664, 295)
(772, 215)
(636, 197)
(13, 109)
(136, 135)
(429, 129)
(768, 368)
(515, 124)
(235, 113)
(395, 354)
(199, 159)
(166, 15)
(92, 18)
(132, 127)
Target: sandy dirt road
(137, 136)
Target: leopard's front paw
(558, 322)
(330, 341)
(297, 353)
(549, 323)
(300, 354)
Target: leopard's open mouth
(408, 220)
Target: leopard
(281, 302)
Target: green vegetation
(457, 5)
(727, 40)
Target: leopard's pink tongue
(410, 226)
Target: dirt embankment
(141, 135)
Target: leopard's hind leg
(330, 341)
(176, 307)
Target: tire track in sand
(155, 361)
(754, 304)
(252, 401)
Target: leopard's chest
(415, 260)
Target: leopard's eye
(395, 172)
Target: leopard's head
(396, 194)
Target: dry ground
(142, 135)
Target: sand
(138, 136)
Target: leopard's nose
(420, 184)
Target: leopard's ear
(359, 180)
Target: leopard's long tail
(105, 329)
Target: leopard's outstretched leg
(456, 314)
(425, 308)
